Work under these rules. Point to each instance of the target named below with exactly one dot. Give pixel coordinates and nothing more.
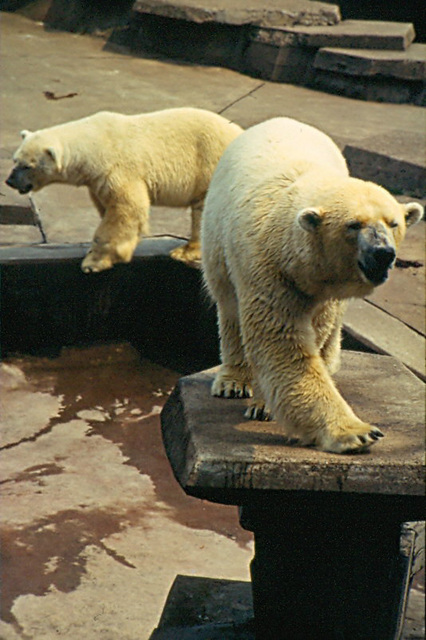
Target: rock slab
(239, 12)
(405, 65)
(358, 34)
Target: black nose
(383, 256)
(9, 182)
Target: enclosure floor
(94, 526)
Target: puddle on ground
(83, 461)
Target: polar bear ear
(24, 133)
(413, 213)
(53, 153)
(309, 219)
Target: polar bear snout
(376, 255)
(20, 179)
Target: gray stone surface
(195, 600)
(290, 64)
(358, 34)
(207, 632)
(214, 450)
(394, 160)
(94, 527)
(268, 14)
(406, 65)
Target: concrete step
(298, 49)
(206, 609)
(406, 65)
(241, 12)
(397, 161)
(350, 34)
(205, 632)
(381, 76)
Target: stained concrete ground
(95, 528)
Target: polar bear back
(174, 151)
(279, 147)
(257, 166)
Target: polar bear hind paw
(91, 264)
(350, 442)
(189, 253)
(258, 411)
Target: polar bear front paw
(228, 386)
(356, 440)
(92, 264)
(189, 253)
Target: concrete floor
(95, 527)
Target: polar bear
(287, 236)
(128, 163)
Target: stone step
(205, 632)
(350, 34)
(406, 65)
(381, 76)
(241, 36)
(241, 12)
(396, 160)
(206, 609)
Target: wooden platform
(323, 523)
(216, 452)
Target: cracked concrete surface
(94, 526)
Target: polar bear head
(355, 228)
(38, 162)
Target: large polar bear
(287, 236)
(128, 163)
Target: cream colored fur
(129, 163)
(280, 261)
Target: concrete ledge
(404, 65)
(154, 302)
(240, 12)
(358, 34)
(49, 253)
(372, 88)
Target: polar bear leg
(257, 409)
(328, 327)
(297, 386)
(98, 204)
(234, 377)
(191, 251)
(124, 220)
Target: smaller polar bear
(287, 237)
(128, 163)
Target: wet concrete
(93, 521)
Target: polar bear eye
(354, 226)
(393, 224)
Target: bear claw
(349, 442)
(231, 389)
(256, 412)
